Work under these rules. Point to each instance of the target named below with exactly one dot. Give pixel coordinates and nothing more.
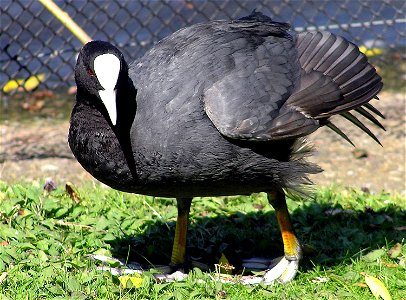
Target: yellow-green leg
(179, 242)
(287, 267)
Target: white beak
(107, 68)
(109, 100)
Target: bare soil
(34, 151)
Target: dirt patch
(369, 165)
(38, 150)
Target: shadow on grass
(331, 234)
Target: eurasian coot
(219, 108)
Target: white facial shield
(107, 68)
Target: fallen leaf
(33, 106)
(391, 265)
(222, 294)
(123, 281)
(136, 281)
(377, 287)
(3, 276)
(43, 94)
(71, 192)
(224, 266)
(395, 251)
(361, 284)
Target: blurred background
(38, 55)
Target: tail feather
(369, 116)
(343, 74)
(360, 89)
(315, 52)
(343, 64)
(332, 56)
(365, 78)
(336, 78)
(315, 83)
(338, 131)
(359, 124)
(356, 102)
(373, 109)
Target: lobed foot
(284, 271)
(281, 269)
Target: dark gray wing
(282, 90)
(246, 101)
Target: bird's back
(252, 64)
(174, 140)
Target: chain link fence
(36, 46)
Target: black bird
(219, 108)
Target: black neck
(98, 117)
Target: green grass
(44, 240)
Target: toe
(284, 271)
(290, 272)
(276, 272)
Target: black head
(99, 70)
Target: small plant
(47, 241)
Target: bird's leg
(179, 243)
(286, 269)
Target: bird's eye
(90, 72)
